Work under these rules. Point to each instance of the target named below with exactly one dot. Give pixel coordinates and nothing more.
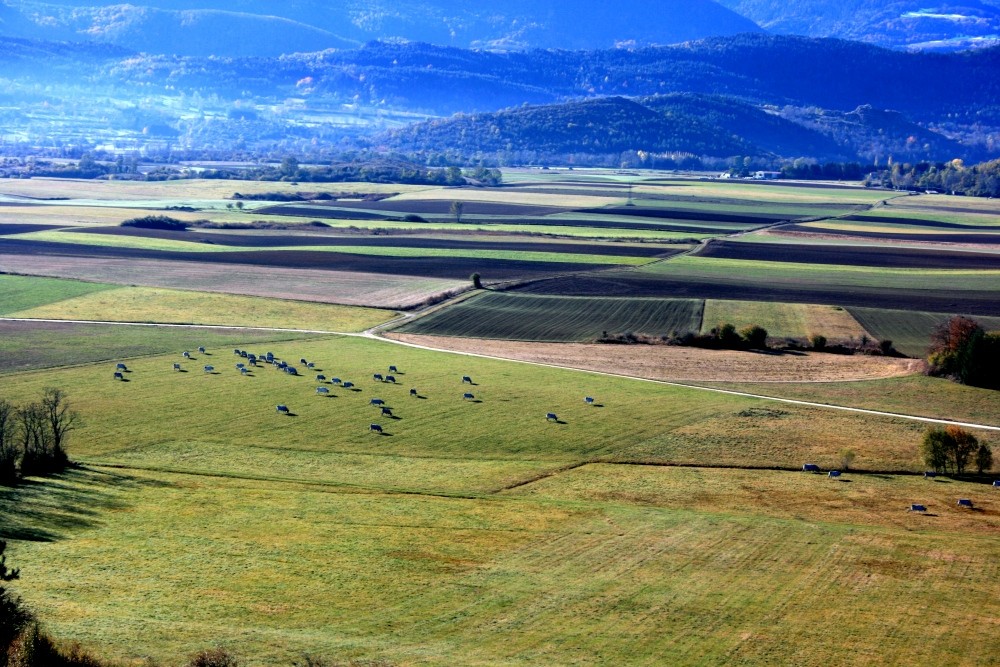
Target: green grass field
(23, 293)
(909, 331)
(546, 318)
(31, 345)
(150, 304)
(171, 245)
(827, 276)
(784, 320)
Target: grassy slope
(601, 565)
(28, 345)
(150, 304)
(909, 331)
(20, 292)
(784, 320)
(544, 318)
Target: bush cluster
(952, 449)
(963, 351)
(162, 222)
(33, 436)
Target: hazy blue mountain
(893, 23)
(259, 27)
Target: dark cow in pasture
(965, 502)
(321, 378)
(121, 367)
(322, 390)
(386, 412)
(187, 355)
(201, 350)
(377, 377)
(376, 402)
(551, 416)
(237, 351)
(589, 400)
(393, 369)
(241, 366)
(374, 428)
(244, 371)
(303, 361)
(414, 392)
(119, 376)
(810, 467)
(335, 381)
(209, 369)
(918, 508)
(390, 378)
(348, 385)
(177, 367)
(468, 397)
(466, 379)
(283, 410)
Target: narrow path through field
(373, 334)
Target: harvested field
(911, 234)
(455, 268)
(746, 219)
(785, 320)
(688, 364)
(26, 346)
(881, 257)
(935, 290)
(546, 318)
(313, 238)
(922, 222)
(443, 207)
(346, 287)
(14, 228)
(909, 331)
(151, 304)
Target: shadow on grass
(49, 509)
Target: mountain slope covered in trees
(893, 23)
(264, 28)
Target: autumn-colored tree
(962, 350)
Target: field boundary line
(729, 392)
(228, 327)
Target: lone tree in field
(847, 457)
(477, 281)
(456, 210)
(984, 458)
(949, 449)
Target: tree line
(33, 436)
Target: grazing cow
(303, 361)
(996, 484)
(414, 392)
(386, 412)
(390, 378)
(177, 367)
(245, 355)
(282, 364)
(209, 369)
(251, 357)
(187, 355)
(393, 369)
(270, 356)
(322, 390)
(320, 378)
(283, 410)
(376, 402)
(551, 416)
(466, 379)
(244, 371)
(291, 370)
(467, 396)
(237, 350)
(378, 377)
(930, 474)
(119, 376)
(589, 400)
(121, 367)
(918, 508)
(834, 473)
(335, 381)
(201, 350)
(810, 467)
(253, 362)
(348, 385)
(374, 428)
(241, 366)
(965, 502)
(310, 365)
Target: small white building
(766, 175)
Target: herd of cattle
(255, 361)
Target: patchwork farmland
(666, 520)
